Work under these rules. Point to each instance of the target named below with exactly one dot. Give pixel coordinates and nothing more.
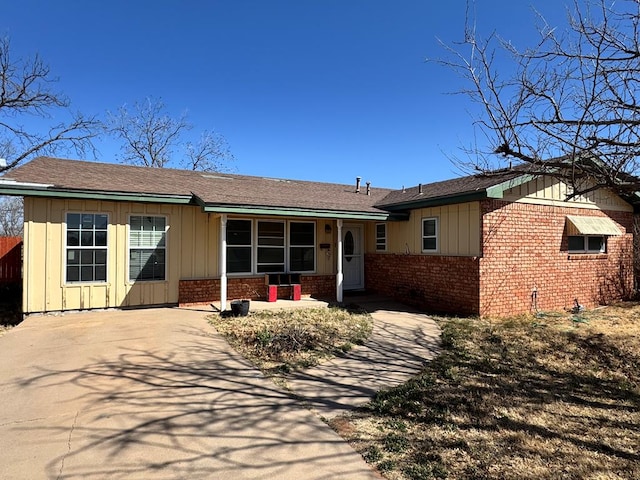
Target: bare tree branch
(150, 137)
(25, 91)
(210, 154)
(569, 108)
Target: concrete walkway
(401, 342)
(151, 394)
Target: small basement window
(587, 244)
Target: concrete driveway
(153, 394)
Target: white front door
(353, 258)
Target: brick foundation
(207, 290)
(525, 247)
(434, 283)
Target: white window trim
(315, 247)
(252, 246)
(436, 236)
(255, 245)
(585, 249)
(384, 239)
(287, 246)
(66, 247)
(166, 249)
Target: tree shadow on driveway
(188, 408)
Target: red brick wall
(435, 283)
(203, 291)
(525, 247)
(194, 292)
(319, 286)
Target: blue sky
(306, 89)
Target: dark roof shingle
(446, 189)
(211, 188)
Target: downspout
(339, 276)
(223, 262)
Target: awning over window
(591, 226)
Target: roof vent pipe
(420, 188)
(358, 179)
(368, 188)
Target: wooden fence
(10, 260)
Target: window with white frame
(302, 246)
(86, 247)
(279, 246)
(381, 236)
(430, 234)
(270, 247)
(239, 246)
(147, 248)
(587, 244)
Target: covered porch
(336, 247)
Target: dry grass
(528, 398)
(285, 340)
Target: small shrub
(424, 472)
(372, 454)
(398, 425)
(263, 338)
(395, 443)
(386, 465)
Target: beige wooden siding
(458, 231)
(325, 258)
(551, 191)
(192, 252)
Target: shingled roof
(206, 189)
(449, 191)
(223, 192)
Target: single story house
(99, 235)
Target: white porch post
(339, 275)
(223, 262)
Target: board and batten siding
(551, 191)
(458, 231)
(191, 252)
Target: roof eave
(497, 191)
(296, 212)
(437, 201)
(494, 191)
(40, 190)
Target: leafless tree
(211, 153)
(152, 138)
(569, 106)
(26, 94)
(11, 216)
